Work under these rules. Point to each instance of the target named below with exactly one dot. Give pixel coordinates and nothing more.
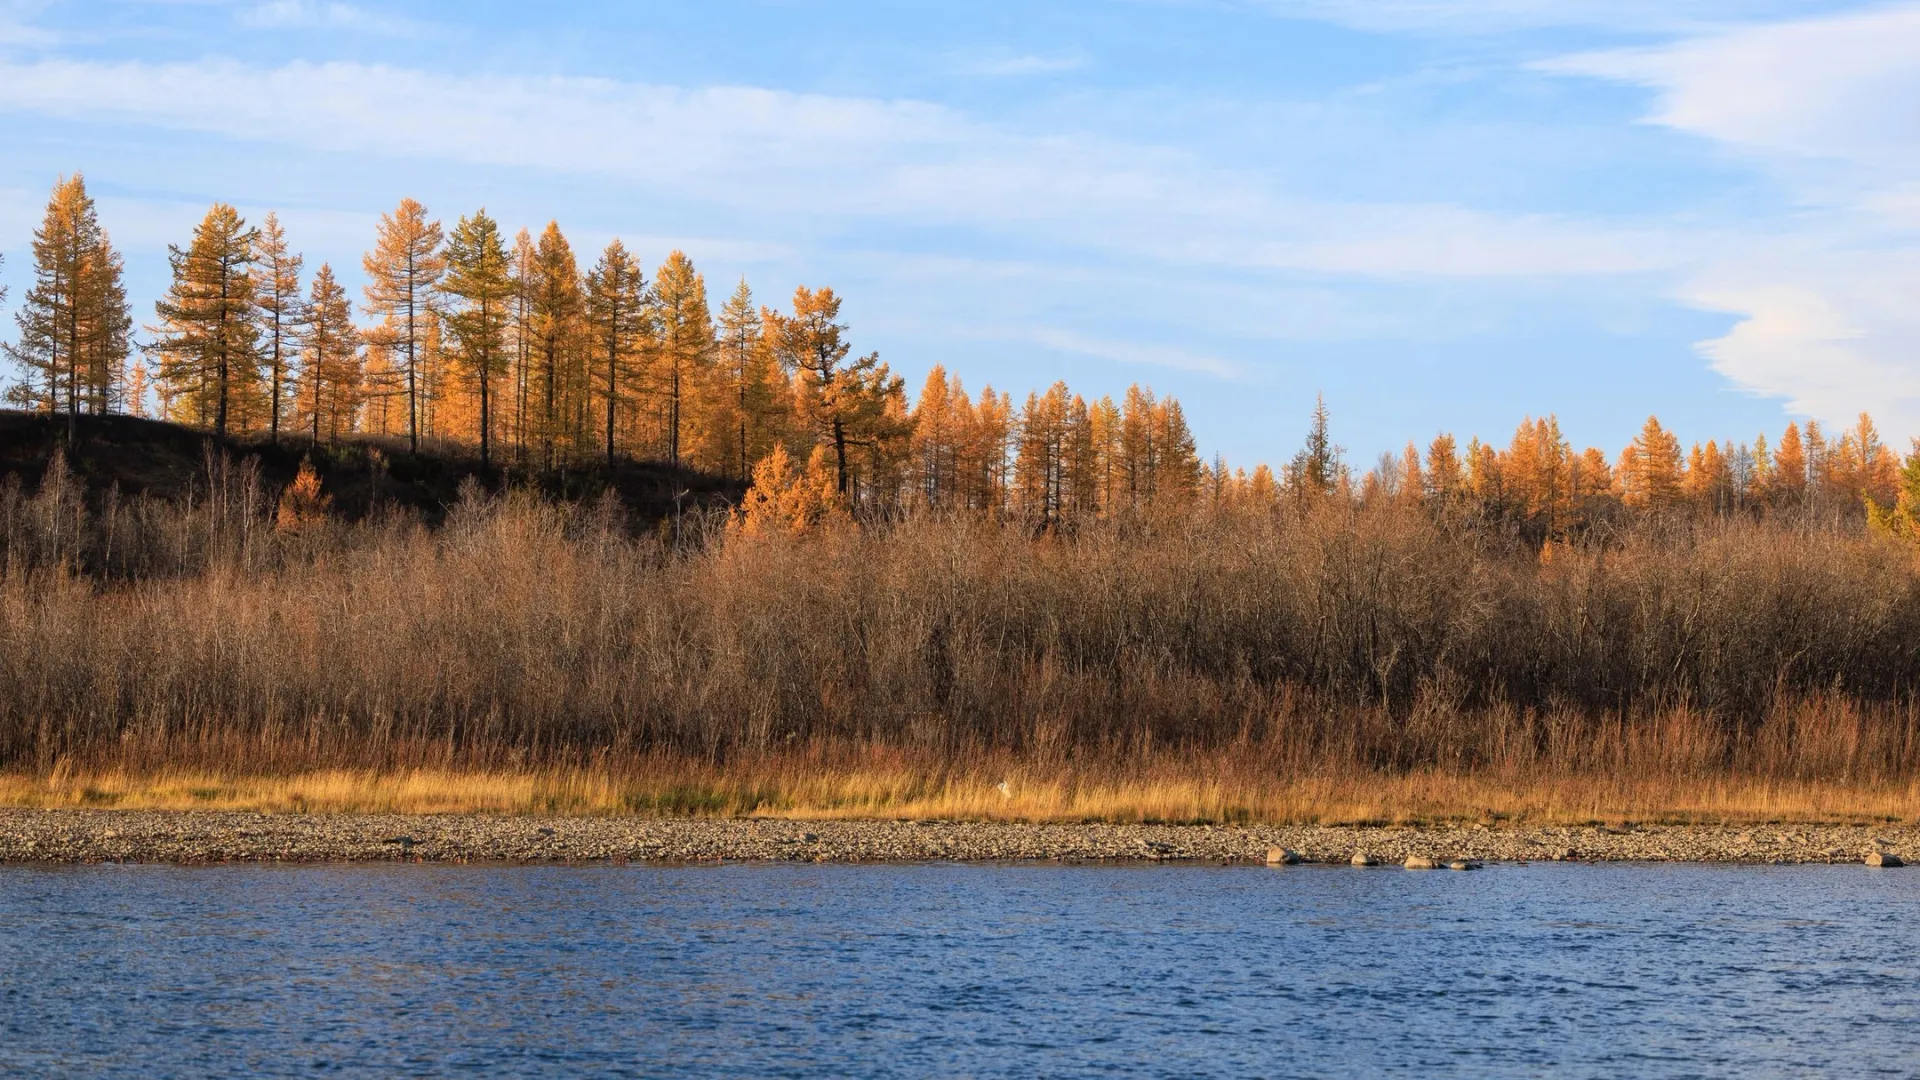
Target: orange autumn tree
(789, 500)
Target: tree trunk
(840, 453)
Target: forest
(943, 604)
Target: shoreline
(211, 837)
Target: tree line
(508, 346)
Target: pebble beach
(185, 837)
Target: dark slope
(170, 461)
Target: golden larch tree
(74, 321)
(403, 268)
(206, 341)
(327, 392)
(683, 352)
(479, 282)
(620, 329)
(277, 303)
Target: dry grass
(1337, 664)
(802, 791)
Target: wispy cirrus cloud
(17, 26)
(859, 158)
(326, 15)
(1002, 65)
(1665, 17)
(1133, 352)
(1828, 106)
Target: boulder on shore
(1421, 862)
(1279, 856)
(1883, 858)
(1361, 858)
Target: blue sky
(1446, 215)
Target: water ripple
(957, 970)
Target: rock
(1883, 858)
(1421, 862)
(1279, 856)
(544, 831)
(1361, 858)
(1463, 864)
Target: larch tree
(137, 386)
(277, 305)
(1650, 471)
(1789, 486)
(1040, 461)
(1106, 426)
(554, 322)
(745, 401)
(684, 349)
(206, 342)
(936, 439)
(404, 266)
(524, 338)
(1179, 465)
(479, 275)
(329, 387)
(1413, 485)
(1315, 469)
(1444, 479)
(619, 326)
(846, 401)
(74, 322)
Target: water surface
(1018, 970)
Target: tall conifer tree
(479, 274)
(329, 389)
(404, 266)
(618, 324)
(206, 340)
(555, 311)
(748, 390)
(685, 348)
(845, 400)
(277, 298)
(74, 323)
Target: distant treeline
(506, 345)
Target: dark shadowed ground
(171, 461)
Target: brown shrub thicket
(1322, 642)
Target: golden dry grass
(805, 790)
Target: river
(965, 970)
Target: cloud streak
(774, 151)
(322, 15)
(1828, 317)
(1456, 17)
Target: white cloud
(821, 158)
(1007, 65)
(1845, 87)
(1831, 108)
(1131, 352)
(16, 26)
(1501, 16)
(322, 15)
(1833, 335)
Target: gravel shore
(78, 836)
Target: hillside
(170, 461)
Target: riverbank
(187, 837)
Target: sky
(1443, 215)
